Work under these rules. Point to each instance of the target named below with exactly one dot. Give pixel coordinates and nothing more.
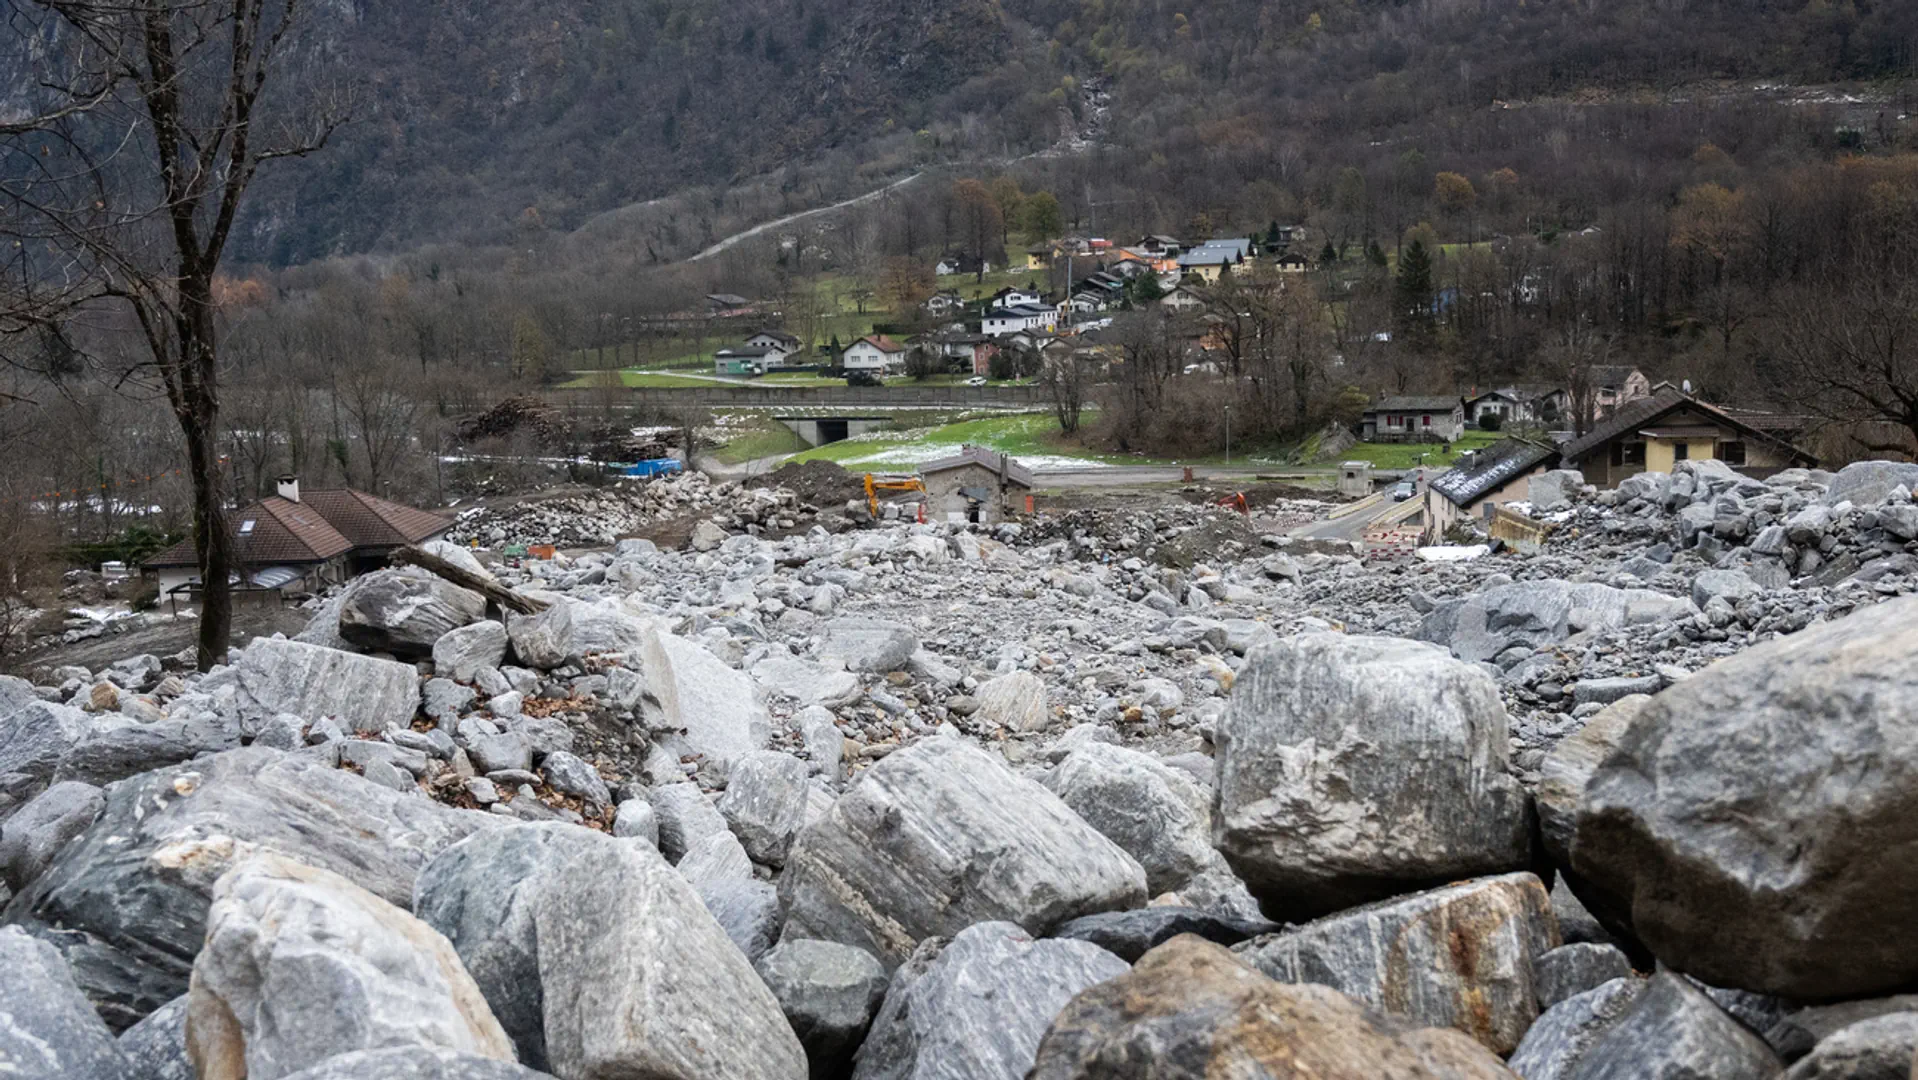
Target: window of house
(1428, 420)
(1682, 452)
(1628, 453)
(1732, 452)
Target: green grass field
(1408, 455)
(1031, 437)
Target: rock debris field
(1104, 793)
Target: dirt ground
(157, 634)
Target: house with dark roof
(746, 360)
(1413, 419)
(291, 542)
(976, 484)
(777, 341)
(1483, 480)
(1655, 433)
(1516, 404)
(1614, 385)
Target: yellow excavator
(878, 482)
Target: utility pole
(1228, 434)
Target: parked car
(1404, 490)
(863, 378)
(976, 380)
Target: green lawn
(1407, 455)
(638, 379)
(764, 438)
(1032, 437)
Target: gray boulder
(714, 859)
(461, 654)
(1881, 1048)
(301, 964)
(1541, 613)
(806, 682)
(636, 821)
(765, 803)
(48, 1031)
(568, 774)
(939, 836)
(1354, 768)
(699, 706)
(415, 1063)
(1794, 1034)
(1616, 688)
(1462, 957)
(747, 910)
(362, 693)
(1155, 812)
(1192, 1011)
(685, 817)
(126, 902)
(603, 959)
(861, 644)
(116, 751)
(1570, 970)
(1564, 1033)
(829, 993)
(34, 739)
(32, 837)
(571, 630)
(1674, 1032)
(1016, 702)
(1129, 935)
(939, 1025)
(1736, 827)
(405, 610)
(1866, 483)
(1728, 585)
(1563, 774)
(1555, 489)
(155, 1048)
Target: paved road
(790, 218)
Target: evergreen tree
(1328, 254)
(1272, 235)
(1375, 254)
(1413, 292)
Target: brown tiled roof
(370, 521)
(318, 527)
(1634, 415)
(279, 532)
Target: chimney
(289, 487)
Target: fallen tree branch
(466, 579)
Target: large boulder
(1742, 822)
(601, 960)
(155, 1048)
(1866, 483)
(1881, 1048)
(697, 706)
(979, 1009)
(127, 901)
(301, 964)
(1674, 1032)
(765, 803)
(363, 693)
(462, 654)
(405, 610)
(47, 1029)
(1564, 1033)
(829, 993)
(1016, 702)
(571, 630)
(1355, 768)
(942, 835)
(34, 739)
(31, 838)
(1190, 1010)
(1461, 957)
(1569, 766)
(1541, 613)
(1555, 490)
(860, 644)
(1155, 812)
(116, 750)
(806, 682)
(1131, 934)
(415, 1063)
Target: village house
(875, 353)
(1292, 263)
(746, 360)
(945, 302)
(1655, 433)
(1183, 299)
(1001, 321)
(973, 352)
(1214, 257)
(1159, 246)
(777, 341)
(1483, 480)
(961, 264)
(286, 544)
(1517, 405)
(728, 305)
(1614, 385)
(976, 484)
(1413, 419)
(1013, 295)
(1039, 257)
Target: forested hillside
(470, 116)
